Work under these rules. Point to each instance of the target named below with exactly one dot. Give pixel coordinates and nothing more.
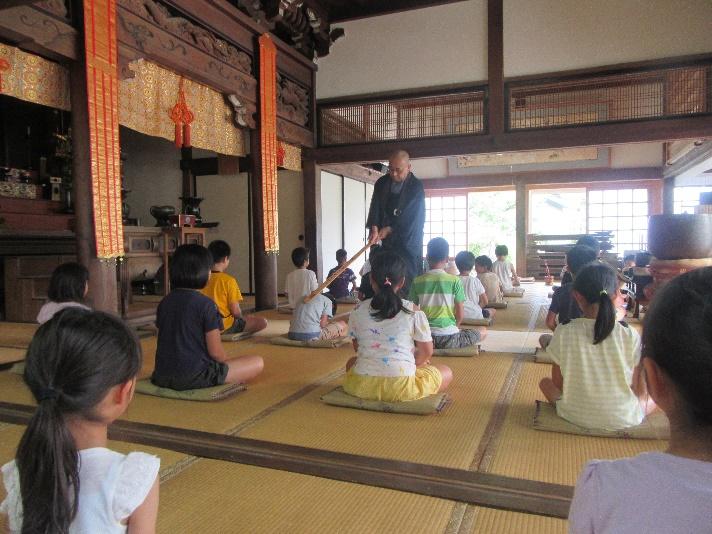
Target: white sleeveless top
(111, 487)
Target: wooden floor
(276, 459)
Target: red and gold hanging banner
(103, 97)
(268, 132)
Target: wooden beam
(495, 66)
(7, 4)
(494, 491)
(644, 131)
(356, 172)
(544, 177)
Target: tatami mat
(220, 497)
(489, 521)
(449, 439)
(16, 334)
(523, 452)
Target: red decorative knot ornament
(4, 65)
(182, 116)
(280, 155)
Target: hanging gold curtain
(33, 79)
(145, 103)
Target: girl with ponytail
(392, 340)
(671, 490)
(595, 380)
(81, 368)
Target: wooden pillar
(521, 227)
(495, 65)
(103, 287)
(265, 262)
(312, 214)
(668, 196)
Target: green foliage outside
(492, 218)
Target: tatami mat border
(483, 489)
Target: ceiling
(342, 10)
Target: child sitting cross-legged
(490, 281)
(671, 490)
(67, 288)
(476, 303)
(223, 289)
(595, 380)
(301, 281)
(440, 295)
(504, 268)
(311, 320)
(189, 351)
(81, 368)
(339, 287)
(392, 340)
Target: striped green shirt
(436, 292)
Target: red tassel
(179, 139)
(186, 135)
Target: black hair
(341, 254)
(189, 267)
(72, 362)
(484, 261)
(578, 256)
(501, 250)
(68, 283)
(374, 251)
(465, 260)
(387, 271)
(219, 250)
(590, 241)
(629, 257)
(679, 339)
(438, 250)
(299, 256)
(596, 283)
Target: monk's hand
(373, 237)
(385, 232)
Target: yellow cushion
(215, 393)
(655, 426)
(427, 405)
(314, 344)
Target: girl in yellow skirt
(392, 340)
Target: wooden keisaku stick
(334, 276)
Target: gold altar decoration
(268, 134)
(146, 100)
(100, 47)
(33, 79)
(291, 156)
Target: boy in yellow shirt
(223, 289)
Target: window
(624, 212)
(446, 217)
(687, 198)
(557, 211)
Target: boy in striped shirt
(440, 295)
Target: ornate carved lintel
(245, 110)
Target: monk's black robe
(402, 207)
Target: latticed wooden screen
(410, 118)
(610, 98)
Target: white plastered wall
(227, 201)
(290, 192)
(331, 220)
(448, 44)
